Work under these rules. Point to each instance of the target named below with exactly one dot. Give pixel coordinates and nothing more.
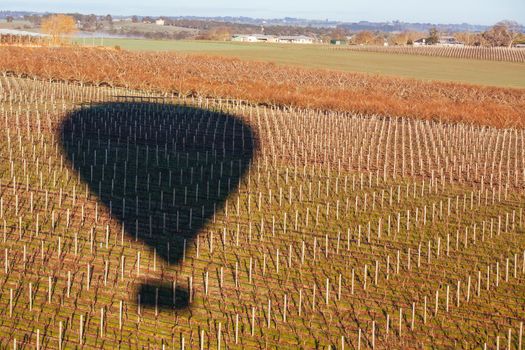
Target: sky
(442, 11)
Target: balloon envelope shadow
(162, 170)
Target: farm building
(254, 38)
(449, 41)
(262, 38)
(160, 22)
(420, 42)
(337, 42)
(443, 41)
(295, 39)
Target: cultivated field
(271, 84)
(143, 222)
(478, 53)
(473, 71)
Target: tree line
(503, 34)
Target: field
(137, 221)
(149, 28)
(271, 84)
(134, 28)
(168, 200)
(480, 53)
(504, 74)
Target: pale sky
(441, 11)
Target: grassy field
(150, 28)
(502, 74)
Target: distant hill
(396, 26)
(391, 26)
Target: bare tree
(433, 36)
(365, 37)
(503, 33)
(471, 39)
(58, 26)
(399, 39)
(338, 34)
(219, 33)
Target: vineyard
(468, 52)
(138, 220)
(270, 84)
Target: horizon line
(284, 17)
